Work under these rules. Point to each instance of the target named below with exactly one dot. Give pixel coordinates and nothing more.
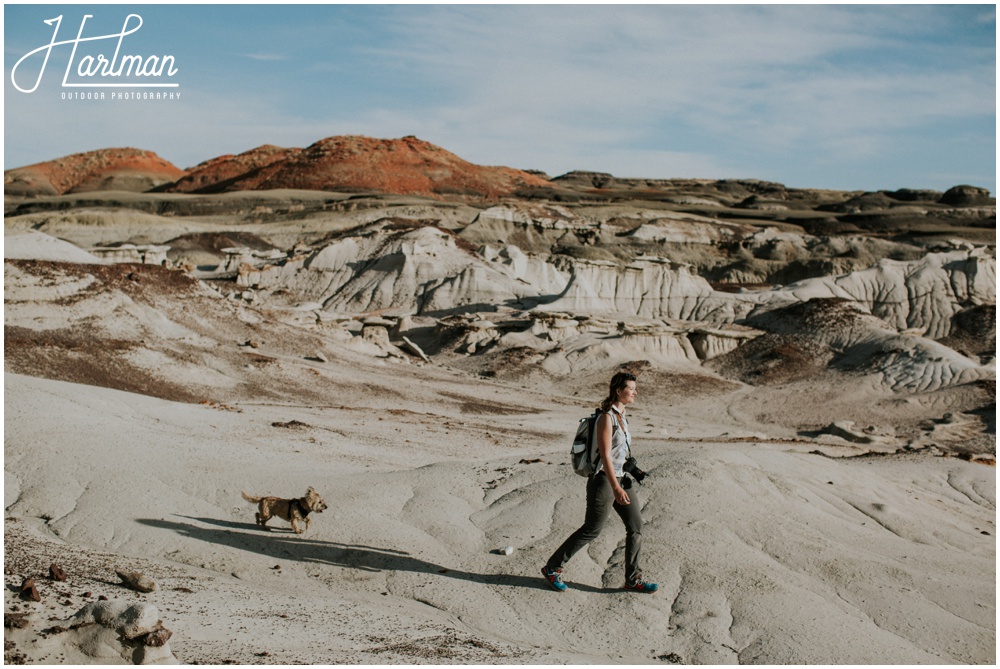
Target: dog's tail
(250, 498)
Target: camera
(631, 466)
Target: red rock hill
(407, 166)
(221, 173)
(105, 169)
(353, 163)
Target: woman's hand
(621, 497)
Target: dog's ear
(310, 490)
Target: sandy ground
(765, 553)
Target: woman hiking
(608, 488)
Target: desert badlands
(416, 337)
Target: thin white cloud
(988, 15)
(775, 80)
(270, 57)
(718, 63)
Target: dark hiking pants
(600, 501)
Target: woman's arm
(605, 431)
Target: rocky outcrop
(151, 254)
(30, 244)
(648, 308)
(974, 332)
(423, 270)
(562, 343)
(137, 581)
(921, 295)
(29, 590)
(585, 179)
(841, 334)
(646, 287)
(532, 228)
(115, 630)
(915, 195)
(102, 632)
(967, 196)
(862, 203)
(677, 228)
(881, 320)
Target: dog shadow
(236, 525)
(289, 546)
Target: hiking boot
(639, 585)
(554, 578)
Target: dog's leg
(309, 522)
(295, 526)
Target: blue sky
(857, 97)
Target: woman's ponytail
(618, 383)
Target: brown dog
(292, 510)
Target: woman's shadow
(286, 545)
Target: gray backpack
(583, 454)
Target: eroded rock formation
(746, 280)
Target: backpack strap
(615, 425)
(619, 419)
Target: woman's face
(627, 394)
